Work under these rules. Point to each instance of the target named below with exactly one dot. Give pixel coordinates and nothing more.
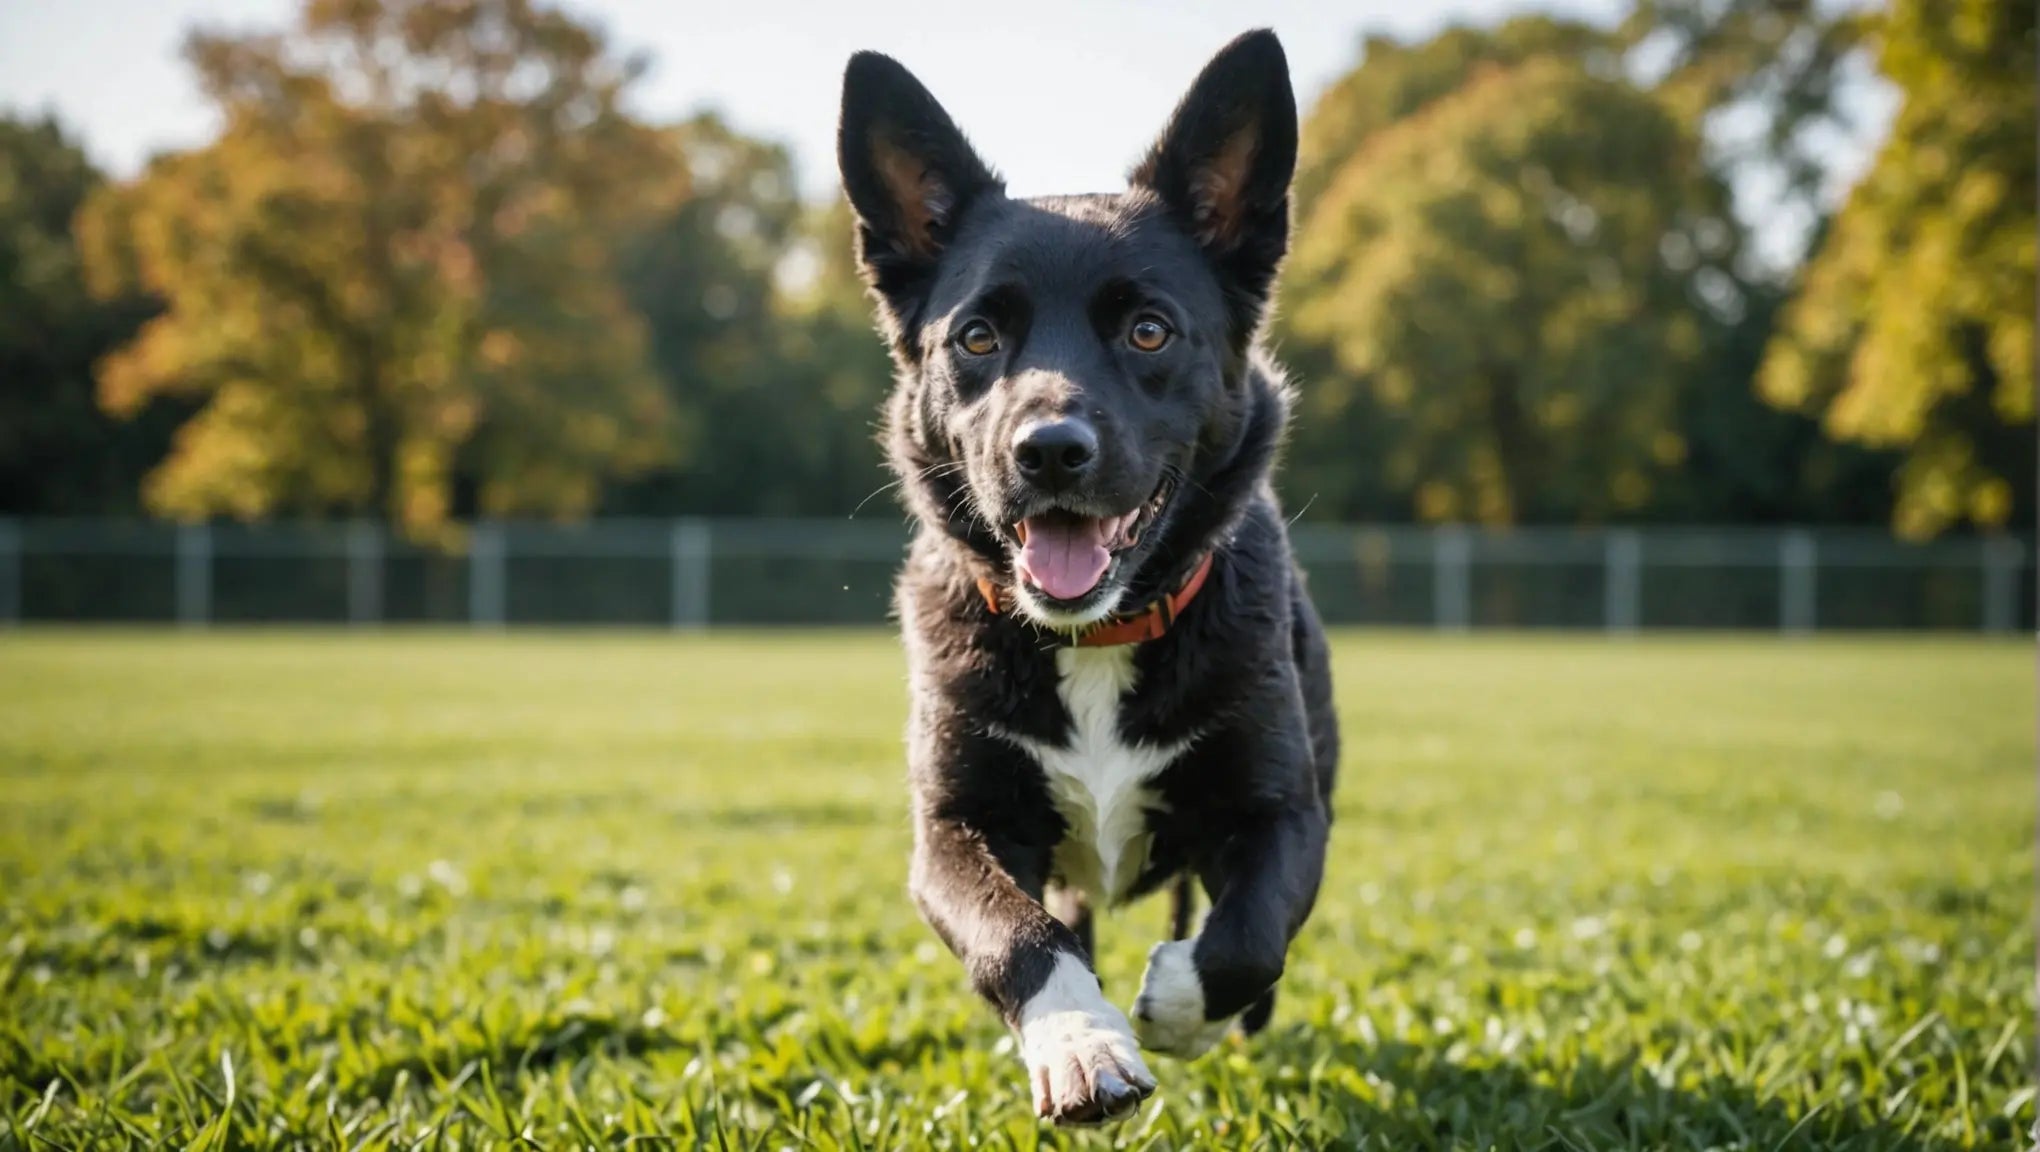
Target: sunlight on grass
(275, 890)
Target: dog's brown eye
(1149, 334)
(978, 338)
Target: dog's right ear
(1223, 167)
(907, 170)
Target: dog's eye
(1150, 333)
(978, 338)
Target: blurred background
(1685, 313)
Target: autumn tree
(392, 281)
(1913, 325)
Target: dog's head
(1076, 402)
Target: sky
(1029, 81)
(1059, 95)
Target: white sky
(1060, 95)
(1031, 82)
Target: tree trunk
(381, 447)
(1516, 449)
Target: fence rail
(694, 573)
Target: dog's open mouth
(1065, 555)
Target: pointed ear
(908, 172)
(1222, 166)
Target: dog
(1118, 682)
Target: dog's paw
(1168, 1015)
(1081, 1057)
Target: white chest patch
(1100, 781)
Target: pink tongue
(1064, 557)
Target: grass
(295, 890)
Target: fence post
(10, 572)
(1797, 576)
(1622, 581)
(2002, 559)
(194, 575)
(364, 572)
(690, 587)
(486, 562)
(1452, 581)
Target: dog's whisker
(874, 495)
(1305, 508)
(1181, 477)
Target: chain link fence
(694, 574)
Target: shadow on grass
(768, 1080)
(787, 817)
(144, 943)
(1399, 1089)
(514, 1057)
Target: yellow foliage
(381, 284)
(1915, 320)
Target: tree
(391, 282)
(1395, 80)
(762, 331)
(844, 360)
(1520, 277)
(1913, 325)
(59, 454)
(702, 275)
(1750, 463)
(1778, 65)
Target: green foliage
(1520, 276)
(392, 275)
(1778, 62)
(1913, 327)
(1395, 80)
(1683, 437)
(58, 452)
(1749, 462)
(433, 269)
(777, 382)
(367, 892)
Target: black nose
(1055, 453)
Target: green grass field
(293, 889)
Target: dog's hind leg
(1182, 905)
(1069, 906)
(1262, 883)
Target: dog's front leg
(1263, 881)
(980, 893)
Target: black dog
(1118, 681)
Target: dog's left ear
(1223, 165)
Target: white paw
(1082, 1059)
(1168, 1015)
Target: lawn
(444, 890)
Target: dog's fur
(1047, 777)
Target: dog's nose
(1055, 453)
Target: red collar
(1147, 624)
